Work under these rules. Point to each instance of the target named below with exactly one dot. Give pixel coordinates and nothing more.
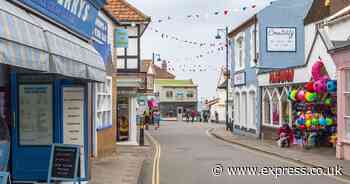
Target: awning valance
(33, 43)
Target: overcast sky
(202, 29)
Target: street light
(227, 71)
(154, 56)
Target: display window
(347, 102)
(266, 108)
(275, 109)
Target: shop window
(252, 110)
(244, 109)
(36, 124)
(236, 108)
(286, 108)
(347, 103)
(169, 94)
(267, 108)
(275, 110)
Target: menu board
(73, 119)
(64, 162)
(35, 123)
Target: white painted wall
(340, 30)
(310, 32)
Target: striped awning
(22, 41)
(30, 42)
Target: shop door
(123, 119)
(33, 129)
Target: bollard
(142, 134)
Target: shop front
(45, 83)
(341, 56)
(304, 98)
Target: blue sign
(77, 15)
(100, 38)
(121, 38)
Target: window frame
(125, 56)
(240, 51)
(346, 94)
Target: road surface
(189, 155)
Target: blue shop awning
(30, 42)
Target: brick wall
(106, 138)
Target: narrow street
(188, 155)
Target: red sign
(282, 76)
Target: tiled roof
(125, 12)
(175, 83)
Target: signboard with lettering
(73, 120)
(121, 38)
(100, 39)
(281, 39)
(282, 76)
(77, 15)
(239, 79)
(64, 163)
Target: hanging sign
(281, 39)
(282, 76)
(121, 38)
(77, 15)
(64, 163)
(239, 79)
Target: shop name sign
(282, 76)
(281, 39)
(77, 15)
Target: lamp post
(154, 57)
(227, 72)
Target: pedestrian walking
(216, 117)
(146, 116)
(187, 114)
(156, 118)
(193, 115)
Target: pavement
(315, 157)
(122, 168)
(191, 155)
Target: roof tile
(125, 12)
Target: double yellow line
(155, 175)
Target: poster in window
(35, 114)
(281, 39)
(73, 119)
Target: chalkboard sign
(64, 163)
